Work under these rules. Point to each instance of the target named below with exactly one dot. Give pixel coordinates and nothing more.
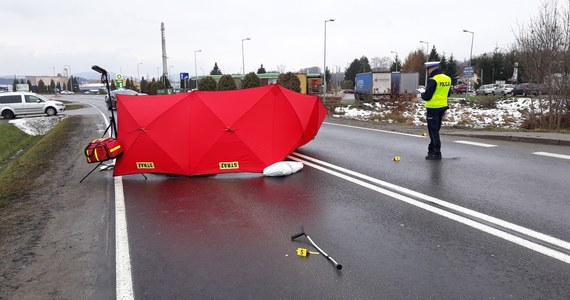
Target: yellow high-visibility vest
(439, 98)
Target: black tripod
(112, 125)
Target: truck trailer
(376, 85)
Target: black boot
(432, 156)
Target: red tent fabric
(214, 132)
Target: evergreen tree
(216, 70)
(29, 85)
(396, 65)
(51, 86)
(113, 85)
(251, 80)
(42, 89)
(328, 77)
(365, 65)
(14, 84)
(443, 63)
(227, 83)
(289, 81)
(144, 83)
(451, 70)
(433, 55)
(261, 70)
(207, 84)
(357, 66)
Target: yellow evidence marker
(396, 158)
(305, 252)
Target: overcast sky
(38, 37)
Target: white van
(24, 103)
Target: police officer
(436, 93)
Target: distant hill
(8, 80)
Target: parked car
(486, 89)
(459, 89)
(66, 92)
(526, 89)
(112, 103)
(24, 103)
(504, 89)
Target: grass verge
(13, 141)
(18, 174)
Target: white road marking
(123, 276)
(124, 279)
(384, 131)
(553, 155)
(476, 144)
(463, 220)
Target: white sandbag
(283, 168)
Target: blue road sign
(468, 72)
(184, 76)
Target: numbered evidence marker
(304, 252)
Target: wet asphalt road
(228, 236)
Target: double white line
(521, 235)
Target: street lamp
(196, 67)
(242, 56)
(472, 36)
(427, 57)
(138, 71)
(471, 54)
(325, 62)
(396, 60)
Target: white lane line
(553, 155)
(372, 129)
(124, 279)
(476, 144)
(509, 237)
(123, 276)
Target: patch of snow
(37, 125)
(508, 113)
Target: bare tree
(381, 63)
(543, 51)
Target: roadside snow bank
(508, 114)
(37, 125)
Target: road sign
(468, 72)
(119, 77)
(184, 76)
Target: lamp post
(325, 62)
(138, 71)
(427, 57)
(242, 56)
(196, 67)
(471, 53)
(396, 60)
(472, 37)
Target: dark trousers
(434, 119)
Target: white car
(66, 92)
(504, 89)
(486, 89)
(25, 103)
